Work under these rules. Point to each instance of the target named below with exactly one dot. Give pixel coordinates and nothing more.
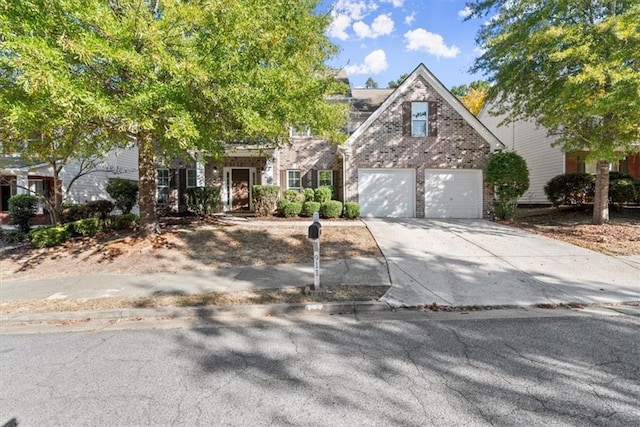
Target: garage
(387, 192)
(453, 193)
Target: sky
(385, 38)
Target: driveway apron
(478, 262)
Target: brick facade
(383, 145)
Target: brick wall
(382, 145)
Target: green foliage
(85, 227)
(49, 236)
(570, 189)
(99, 209)
(331, 209)
(622, 191)
(323, 194)
(371, 83)
(73, 212)
(123, 222)
(462, 90)
(309, 194)
(265, 198)
(294, 196)
(124, 192)
(202, 200)
(289, 209)
(395, 83)
(508, 173)
(22, 207)
(351, 210)
(13, 236)
(571, 67)
(309, 208)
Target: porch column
(22, 182)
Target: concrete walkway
(477, 262)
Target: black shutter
(314, 178)
(406, 118)
(433, 118)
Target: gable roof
(422, 71)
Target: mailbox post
(315, 230)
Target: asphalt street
(507, 367)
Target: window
(162, 186)
(293, 180)
(293, 132)
(191, 178)
(36, 188)
(419, 118)
(325, 177)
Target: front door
(236, 185)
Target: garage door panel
(453, 194)
(386, 192)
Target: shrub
(331, 209)
(22, 207)
(124, 221)
(49, 236)
(309, 194)
(508, 173)
(13, 236)
(622, 191)
(351, 210)
(323, 194)
(265, 198)
(637, 185)
(124, 192)
(72, 213)
(85, 227)
(309, 208)
(202, 200)
(99, 209)
(570, 189)
(294, 196)
(289, 209)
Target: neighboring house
(543, 159)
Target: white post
(316, 264)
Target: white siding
(533, 144)
(119, 163)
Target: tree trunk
(147, 184)
(601, 197)
(57, 198)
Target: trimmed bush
(289, 209)
(351, 210)
(265, 198)
(22, 207)
(72, 213)
(331, 209)
(637, 185)
(570, 189)
(85, 227)
(49, 236)
(294, 196)
(309, 208)
(124, 192)
(309, 194)
(124, 221)
(622, 191)
(99, 209)
(323, 194)
(202, 201)
(13, 236)
(507, 172)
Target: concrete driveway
(477, 262)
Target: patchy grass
(292, 295)
(621, 236)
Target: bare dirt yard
(621, 236)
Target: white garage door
(455, 193)
(387, 192)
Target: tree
(508, 173)
(395, 83)
(371, 84)
(573, 68)
(179, 75)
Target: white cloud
(410, 18)
(395, 3)
(465, 12)
(382, 25)
(374, 63)
(354, 9)
(338, 27)
(423, 40)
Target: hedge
(22, 207)
(49, 236)
(265, 198)
(202, 201)
(331, 209)
(309, 208)
(351, 210)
